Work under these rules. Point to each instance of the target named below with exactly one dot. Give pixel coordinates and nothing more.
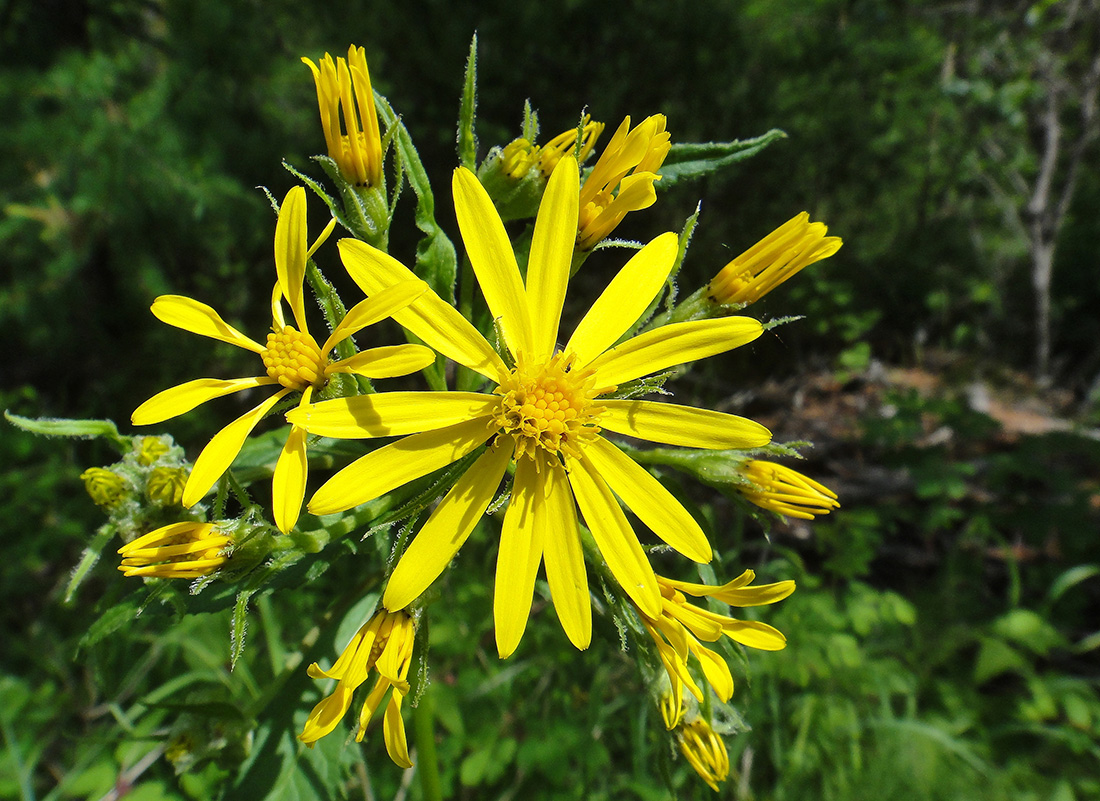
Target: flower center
(293, 359)
(548, 406)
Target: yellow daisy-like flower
(547, 413)
(705, 751)
(771, 261)
(629, 163)
(180, 550)
(384, 643)
(344, 86)
(292, 359)
(780, 489)
(679, 627)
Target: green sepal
(81, 429)
(467, 114)
(696, 160)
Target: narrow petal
(220, 452)
(716, 670)
(181, 399)
(327, 714)
(671, 345)
(391, 414)
(291, 243)
(375, 308)
(551, 254)
(624, 300)
(616, 540)
(518, 557)
(430, 317)
(387, 362)
(494, 261)
(671, 424)
(647, 497)
(565, 571)
(398, 463)
(755, 634)
(288, 486)
(198, 318)
(393, 732)
(447, 529)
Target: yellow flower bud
(106, 488)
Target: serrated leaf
(696, 160)
(239, 627)
(88, 560)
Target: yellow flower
(679, 626)
(151, 449)
(292, 359)
(384, 643)
(705, 751)
(180, 550)
(357, 148)
(518, 157)
(547, 413)
(771, 261)
(565, 142)
(165, 485)
(105, 488)
(630, 162)
(785, 491)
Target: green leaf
(996, 657)
(1069, 579)
(88, 560)
(695, 160)
(61, 427)
(239, 627)
(467, 115)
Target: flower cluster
(527, 402)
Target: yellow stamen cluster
(705, 751)
(780, 489)
(165, 485)
(294, 359)
(343, 87)
(179, 550)
(546, 406)
(152, 448)
(104, 487)
(518, 157)
(771, 261)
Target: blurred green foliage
(943, 638)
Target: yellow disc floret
(293, 359)
(548, 406)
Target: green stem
(427, 762)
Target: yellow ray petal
(375, 308)
(647, 497)
(220, 452)
(671, 345)
(671, 424)
(291, 243)
(198, 318)
(393, 731)
(624, 300)
(716, 670)
(288, 486)
(755, 634)
(736, 592)
(327, 714)
(431, 318)
(551, 254)
(494, 261)
(387, 362)
(447, 529)
(565, 571)
(391, 414)
(519, 556)
(398, 463)
(185, 397)
(616, 540)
